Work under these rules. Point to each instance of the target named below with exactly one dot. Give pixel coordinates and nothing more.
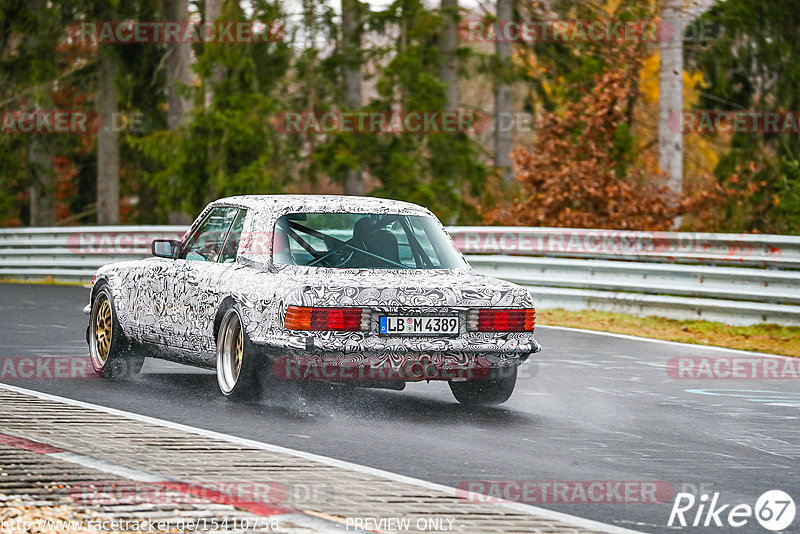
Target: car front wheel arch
(98, 283)
(111, 353)
(226, 304)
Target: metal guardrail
(738, 296)
(734, 278)
(74, 254)
(773, 251)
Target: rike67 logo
(774, 510)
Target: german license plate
(422, 325)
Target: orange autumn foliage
(576, 177)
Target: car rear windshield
(363, 241)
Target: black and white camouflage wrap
(172, 303)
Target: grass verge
(770, 338)
(45, 281)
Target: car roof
(321, 203)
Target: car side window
(424, 243)
(231, 246)
(205, 244)
(406, 254)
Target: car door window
(205, 244)
(231, 246)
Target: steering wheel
(208, 251)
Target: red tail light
(496, 320)
(340, 319)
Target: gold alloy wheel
(237, 354)
(102, 330)
(230, 352)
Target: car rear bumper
(395, 359)
(494, 347)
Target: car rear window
(363, 241)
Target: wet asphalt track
(590, 407)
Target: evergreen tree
(752, 65)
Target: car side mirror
(165, 248)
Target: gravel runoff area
(72, 461)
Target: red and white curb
(286, 517)
(536, 511)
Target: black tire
(236, 381)
(492, 390)
(111, 353)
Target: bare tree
(502, 97)
(351, 45)
(674, 15)
(213, 10)
(178, 79)
(179, 66)
(40, 158)
(107, 139)
(42, 180)
(670, 79)
(448, 70)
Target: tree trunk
(40, 158)
(179, 78)
(351, 48)
(42, 180)
(107, 140)
(179, 66)
(213, 10)
(502, 98)
(448, 70)
(670, 79)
